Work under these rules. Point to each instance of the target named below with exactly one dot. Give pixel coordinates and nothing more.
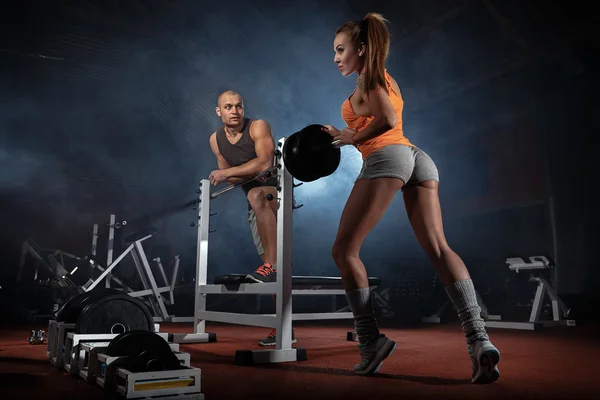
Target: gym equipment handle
(267, 174)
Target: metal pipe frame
(109, 253)
(266, 173)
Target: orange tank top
(358, 122)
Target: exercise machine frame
(560, 312)
(136, 249)
(282, 288)
(56, 269)
(152, 291)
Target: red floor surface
(429, 362)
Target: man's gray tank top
(240, 153)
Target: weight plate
(71, 310)
(154, 359)
(297, 159)
(309, 154)
(119, 345)
(114, 314)
(134, 342)
(327, 156)
(145, 351)
(290, 155)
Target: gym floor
(429, 362)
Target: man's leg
(260, 250)
(265, 213)
(271, 339)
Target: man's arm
(222, 164)
(264, 145)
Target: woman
(373, 113)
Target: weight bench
(307, 285)
(301, 285)
(560, 312)
(306, 282)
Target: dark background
(107, 107)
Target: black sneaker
(265, 273)
(272, 339)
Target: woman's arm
(383, 112)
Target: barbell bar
(265, 174)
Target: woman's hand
(331, 130)
(344, 136)
(347, 135)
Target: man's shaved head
(230, 108)
(228, 93)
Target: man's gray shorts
(408, 163)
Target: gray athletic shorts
(408, 163)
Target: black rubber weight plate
(119, 346)
(114, 314)
(145, 351)
(71, 310)
(154, 359)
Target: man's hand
(218, 176)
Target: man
(244, 148)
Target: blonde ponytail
(378, 47)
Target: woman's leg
(425, 216)
(366, 205)
(424, 213)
